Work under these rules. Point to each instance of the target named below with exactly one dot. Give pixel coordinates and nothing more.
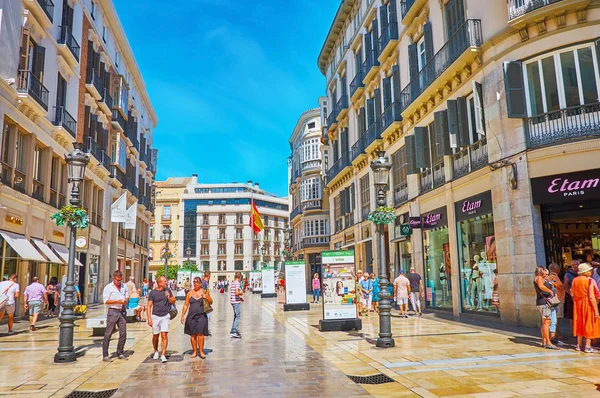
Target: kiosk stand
(338, 285)
(295, 286)
(268, 282)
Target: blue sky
(228, 80)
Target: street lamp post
(167, 236)
(77, 161)
(188, 253)
(263, 250)
(288, 244)
(381, 170)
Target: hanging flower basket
(73, 216)
(382, 215)
(287, 253)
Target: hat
(401, 272)
(583, 268)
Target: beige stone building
(309, 210)
(489, 112)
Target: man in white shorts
(401, 292)
(11, 289)
(159, 304)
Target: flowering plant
(382, 215)
(287, 253)
(73, 216)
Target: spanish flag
(255, 221)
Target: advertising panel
(268, 280)
(255, 281)
(295, 282)
(338, 284)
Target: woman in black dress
(196, 323)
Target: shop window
(436, 249)
(239, 265)
(206, 265)
(10, 260)
(562, 80)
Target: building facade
(489, 114)
(213, 222)
(309, 216)
(67, 74)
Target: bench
(98, 324)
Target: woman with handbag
(543, 291)
(198, 301)
(586, 319)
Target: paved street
(285, 354)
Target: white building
(67, 74)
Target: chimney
(194, 178)
(250, 182)
(257, 186)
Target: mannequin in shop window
(444, 282)
(486, 270)
(476, 284)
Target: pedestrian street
(284, 354)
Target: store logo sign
(566, 187)
(415, 222)
(471, 207)
(432, 219)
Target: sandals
(551, 347)
(589, 350)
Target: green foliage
(190, 265)
(171, 272)
(382, 215)
(72, 216)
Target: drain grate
(170, 358)
(92, 394)
(379, 378)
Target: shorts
(545, 311)
(160, 324)
(34, 307)
(9, 309)
(402, 300)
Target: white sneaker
(155, 356)
(163, 359)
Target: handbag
(553, 301)
(4, 296)
(206, 306)
(173, 311)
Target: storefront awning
(46, 251)
(63, 252)
(357, 243)
(22, 246)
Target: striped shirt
(234, 299)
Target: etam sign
(564, 188)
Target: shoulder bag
(4, 296)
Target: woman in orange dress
(586, 320)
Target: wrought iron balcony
(468, 35)
(568, 124)
(332, 119)
(296, 212)
(426, 180)
(357, 82)
(311, 165)
(405, 7)
(311, 205)
(461, 165)
(90, 146)
(48, 7)
(358, 148)
(28, 83)
(68, 40)
(94, 82)
(439, 176)
(479, 154)
(119, 175)
(400, 193)
(341, 108)
(315, 241)
(105, 160)
(388, 36)
(369, 63)
(338, 166)
(517, 8)
(107, 99)
(63, 119)
(118, 120)
(390, 115)
(373, 133)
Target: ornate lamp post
(77, 161)
(381, 170)
(167, 236)
(188, 253)
(263, 250)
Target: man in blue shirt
(366, 287)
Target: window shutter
(343, 83)
(348, 200)
(478, 101)
(412, 60)
(24, 51)
(39, 58)
(409, 144)
(393, 11)
(343, 202)
(387, 92)
(358, 62)
(93, 126)
(336, 151)
(396, 89)
(361, 122)
(378, 107)
(344, 140)
(375, 32)
(383, 16)
(463, 122)
(352, 198)
(597, 45)
(370, 112)
(86, 125)
(421, 147)
(452, 121)
(368, 46)
(515, 90)
(90, 60)
(442, 138)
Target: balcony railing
(332, 118)
(338, 166)
(400, 193)
(517, 8)
(107, 99)
(105, 159)
(357, 82)
(314, 241)
(296, 212)
(341, 105)
(311, 205)
(369, 62)
(568, 124)
(118, 117)
(426, 179)
(468, 35)
(439, 176)
(93, 78)
(373, 133)
(67, 39)
(388, 34)
(405, 6)
(90, 146)
(479, 154)
(28, 83)
(119, 175)
(391, 114)
(63, 119)
(311, 164)
(358, 148)
(48, 7)
(461, 163)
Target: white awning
(63, 252)
(22, 246)
(46, 251)
(370, 238)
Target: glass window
(588, 75)
(6, 143)
(438, 272)
(167, 211)
(20, 152)
(37, 163)
(477, 259)
(569, 75)
(535, 90)
(549, 70)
